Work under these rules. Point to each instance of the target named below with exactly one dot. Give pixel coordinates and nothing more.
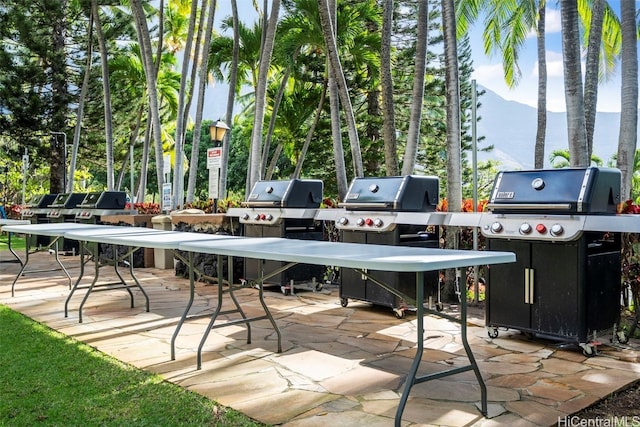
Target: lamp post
(217, 132)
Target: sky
(489, 73)
(488, 69)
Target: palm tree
(144, 40)
(178, 172)
(574, 94)
(629, 96)
(541, 129)
(302, 32)
(454, 167)
(507, 26)
(261, 95)
(602, 38)
(104, 61)
(202, 80)
(233, 77)
(328, 30)
(454, 184)
(389, 121)
(591, 75)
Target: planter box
(143, 257)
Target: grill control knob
(496, 227)
(256, 217)
(541, 228)
(556, 230)
(268, 217)
(360, 222)
(343, 220)
(525, 228)
(245, 216)
(368, 221)
(378, 222)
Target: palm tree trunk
(388, 114)
(541, 130)
(573, 90)
(454, 178)
(592, 66)
(336, 132)
(83, 96)
(336, 70)
(178, 169)
(108, 128)
(629, 96)
(230, 98)
(144, 40)
(202, 81)
(413, 137)
(261, 94)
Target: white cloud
(554, 64)
(552, 22)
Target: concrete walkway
(339, 366)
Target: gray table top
(351, 255)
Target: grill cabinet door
(558, 309)
(505, 298)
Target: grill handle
(261, 204)
(531, 206)
(363, 205)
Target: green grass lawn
(47, 378)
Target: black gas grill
(282, 208)
(98, 204)
(64, 209)
(395, 211)
(36, 212)
(565, 283)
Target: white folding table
(367, 257)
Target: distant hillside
(511, 128)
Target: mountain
(511, 127)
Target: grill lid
(104, 200)
(562, 191)
(410, 193)
(67, 200)
(294, 193)
(40, 200)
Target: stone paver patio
(339, 366)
